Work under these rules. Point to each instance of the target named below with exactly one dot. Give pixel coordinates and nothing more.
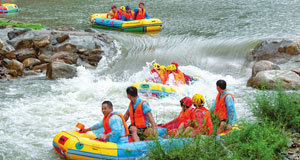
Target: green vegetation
(266, 139)
(32, 26)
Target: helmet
(175, 63)
(142, 3)
(155, 66)
(198, 99)
(127, 7)
(162, 67)
(122, 8)
(171, 67)
(186, 101)
(113, 6)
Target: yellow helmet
(171, 67)
(122, 8)
(198, 99)
(155, 66)
(163, 68)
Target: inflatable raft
(157, 89)
(77, 145)
(8, 8)
(143, 25)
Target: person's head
(176, 64)
(122, 8)
(132, 93)
(198, 100)
(163, 68)
(128, 9)
(107, 108)
(155, 66)
(114, 8)
(171, 67)
(221, 85)
(141, 5)
(186, 103)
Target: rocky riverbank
(56, 52)
(275, 63)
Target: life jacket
(137, 116)
(129, 15)
(179, 77)
(106, 123)
(220, 108)
(115, 16)
(185, 116)
(204, 116)
(140, 14)
(163, 76)
(119, 14)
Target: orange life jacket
(163, 76)
(220, 108)
(137, 117)
(106, 123)
(129, 15)
(115, 16)
(185, 116)
(198, 121)
(179, 77)
(141, 14)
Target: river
(208, 38)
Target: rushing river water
(208, 38)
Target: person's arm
(151, 120)
(126, 115)
(147, 15)
(94, 127)
(115, 123)
(231, 113)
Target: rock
(62, 38)
(262, 66)
(23, 54)
(82, 51)
(59, 69)
(11, 55)
(13, 73)
(1, 44)
(273, 51)
(64, 28)
(90, 30)
(70, 58)
(67, 48)
(8, 76)
(17, 32)
(293, 48)
(5, 62)
(96, 51)
(44, 58)
(94, 59)
(16, 65)
(40, 67)
(41, 42)
(30, 62)
(30, 73)
(271, 79)
(296, 71)
(24, 43)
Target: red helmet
(113, 6)
(142, 3)
(176, 64)
(186, 101)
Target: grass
(32, 26)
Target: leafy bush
(280, 107)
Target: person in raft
(141, 13)
(121, 11)
(223, 108)
(115, 127)
(128, 15)
(201, 119)
(158, 74)
(113, 13)
(177, 126)
(181, 75)
(140, 116)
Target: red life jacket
(183, 117)
(220, 108)
(129, 15)
(141, 14)
(198, 118)
(137, 117)
(106, 123)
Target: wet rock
(17, 32)
(41, 42)
(1, 44)
(59, 69)
(23, 54)
(90, 30)
(24, 43)
(30, 62)
(13, 73)
(96, 51)
(70, 58)
(67, 48)
(293, 48)
(94, 59)
(82, 51)
(30, 73)
(11, 55)
(44, 58)
(40, 67)
(5, 62)
(271, 79)
(296, 71)
(64, 28)
(16, 65)
(62, 38)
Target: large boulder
(271, 79)
(30, 62)
(25, 53)
(60, 69)
(62, 38)
(16, 65)
(95, 56)
(41, 42)
(17, 32)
